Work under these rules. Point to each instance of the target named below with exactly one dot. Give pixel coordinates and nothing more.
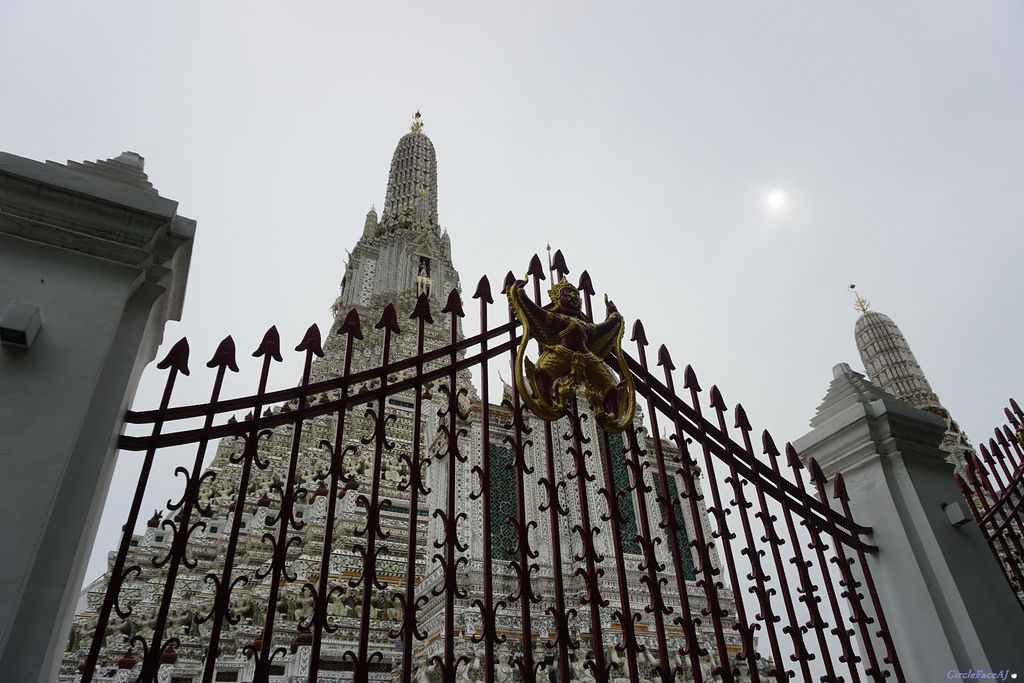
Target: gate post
(948, 606)
(97, 261)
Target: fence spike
(717, 401)
(1016, 408)
(792, 459)
(638, 334)
(585, 284)
(311, 341)
(454, 304)
(270, 346)
(176, 358)
(665, 358)
(422, 310)
(1011, 439)
(975, 461)
(965, 489)
(388, 320)
(984, 453)
(510, 280)
(690, 379)
(224, 355)
(769, 444)
(817, 475)
(1010, 435)
(559, 264)
(351, 325)
(483, 290)
(741, 419)
(839, 489)
(536, 269)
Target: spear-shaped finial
(860, 303)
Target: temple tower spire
(891, 366)
(404, 253)
(890, 363)
(411, 198)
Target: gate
(384, 521)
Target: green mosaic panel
(503, 502)
(684, 541)
(620, 476)
(397, 509)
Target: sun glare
(776, 201)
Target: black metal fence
(994, 490)
(452, 538)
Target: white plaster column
(946, 601)
(105, 260)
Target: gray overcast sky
(640, 140)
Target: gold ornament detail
(860, 303)
(417, 124)
(573, 350)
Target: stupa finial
(860, 303)
(417, 123)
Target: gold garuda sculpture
(573, 353)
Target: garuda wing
(610, 340)
(532, 316)
(535, 326)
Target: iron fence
(388, 522)
(993, 485)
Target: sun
(776, 201)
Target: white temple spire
(411, 199)
(891, 366)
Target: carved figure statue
(578, 670)
(469, 623)
(573, 352)
(649, 660)
(425, 672)
(74, 639)
(286, 607)
(503, 672)
(423, 282)
(182, 622)
(250, 612)
(304, 609)
(619, 674)
(395, 612)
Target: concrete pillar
(104, 259)
(948, 606)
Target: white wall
(61, 401)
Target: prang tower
(400, 255)
(891, 365)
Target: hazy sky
(642, 140)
